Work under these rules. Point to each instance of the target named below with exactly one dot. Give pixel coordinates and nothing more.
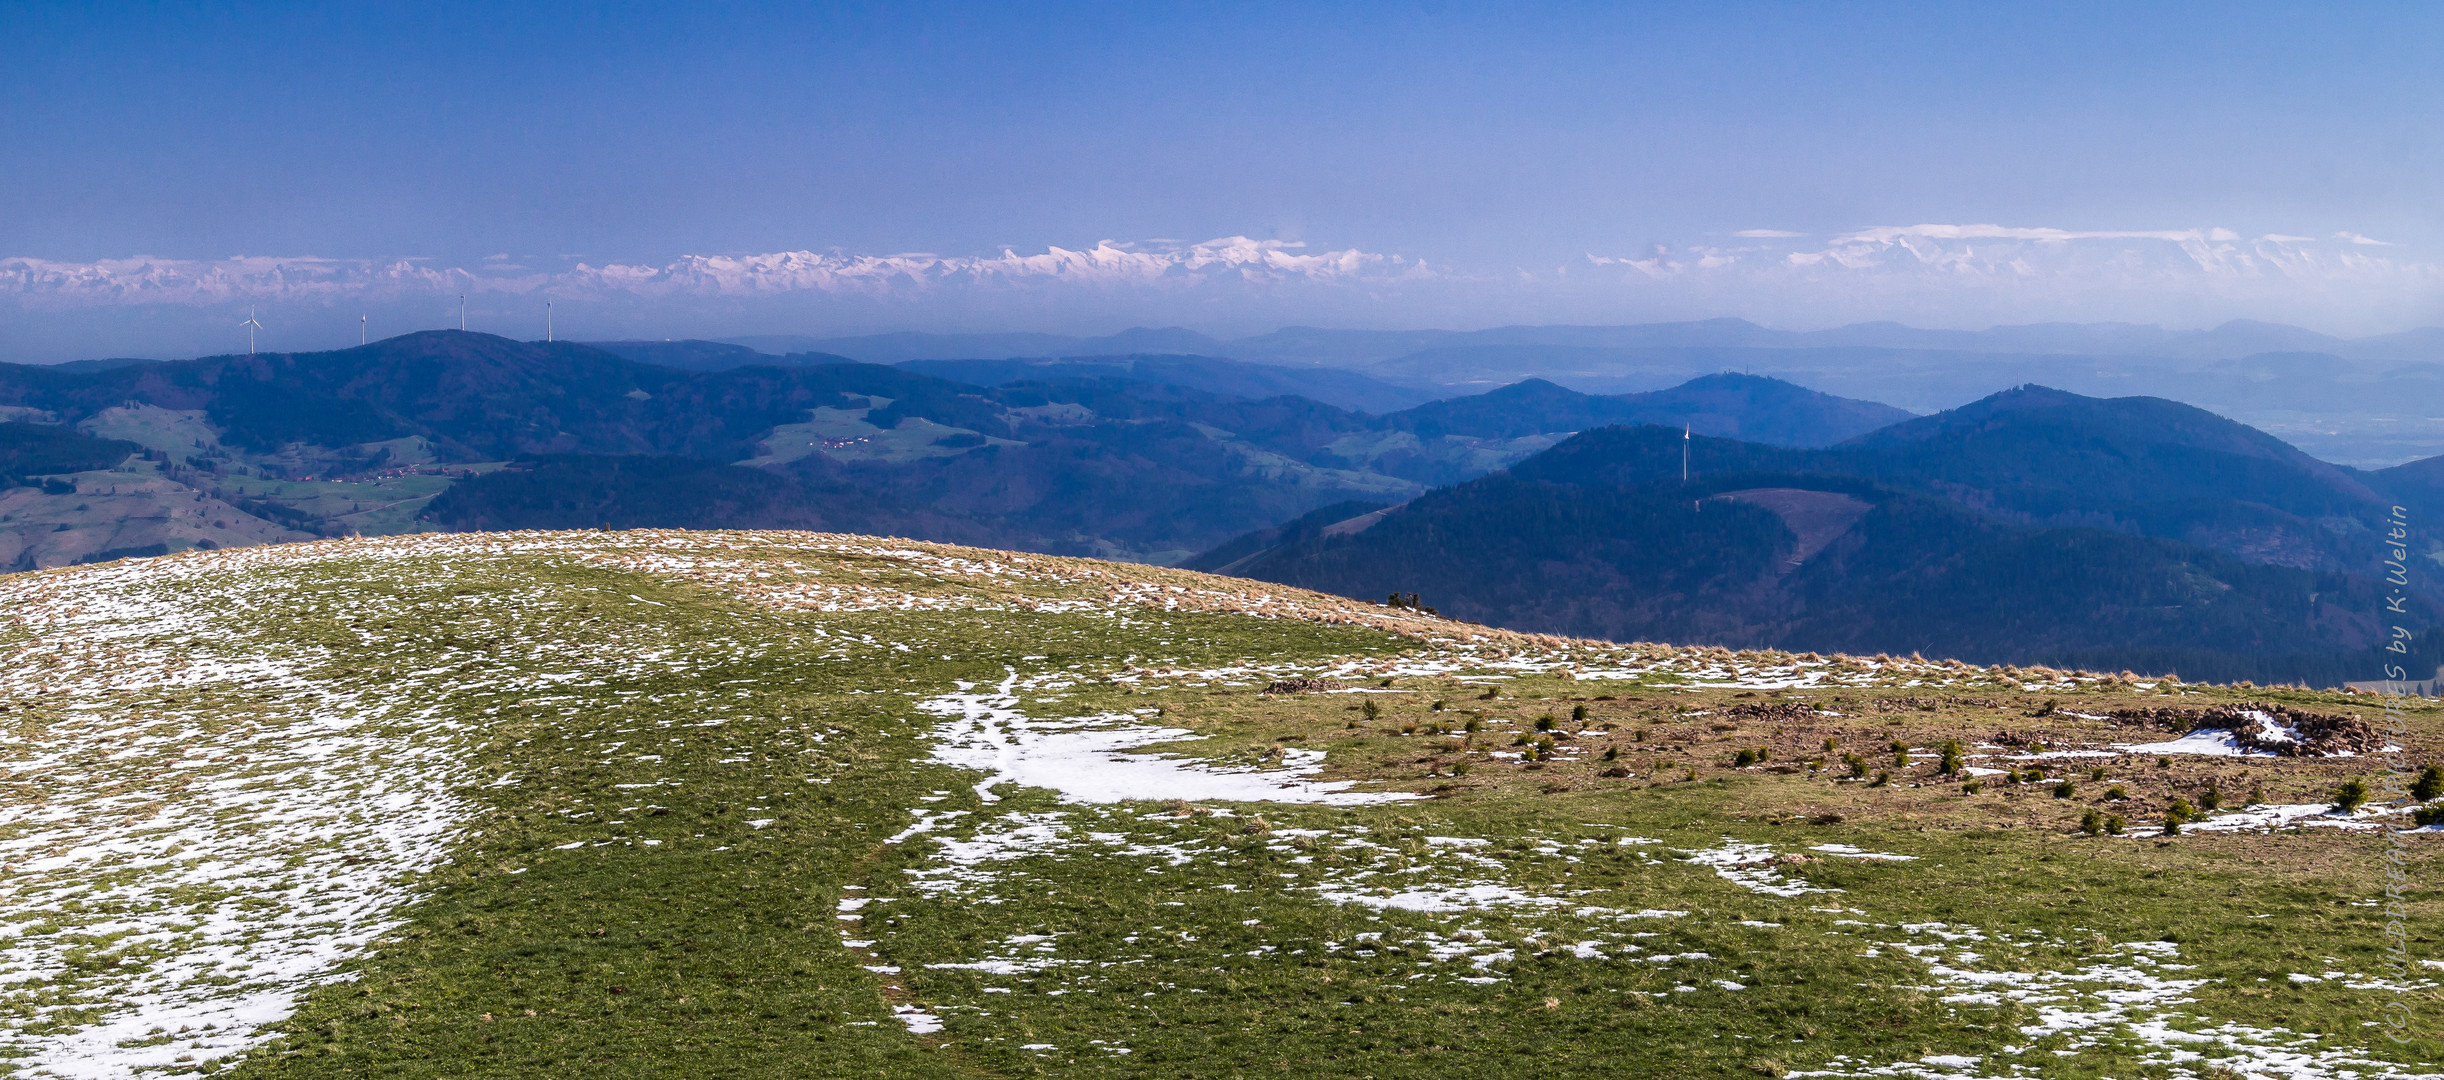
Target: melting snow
(1083, 758)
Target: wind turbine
(547, 322)
(360, 330)
(251, 326)
(462, 313)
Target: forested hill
(1145, 457)
(2031, 526)
(1748, 407)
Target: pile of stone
(1302, 686)
(1903, 704)
(1772, 710)
(2029, 740)
(2313, 734)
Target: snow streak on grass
(201, 823)
(809, 804)
(1084, 757)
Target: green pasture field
(702, 826)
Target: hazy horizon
(731, 170)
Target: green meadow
(665, 804)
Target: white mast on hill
(251, 326)
(547, 322)
(462, 313)
(361, 330)
(1684, 454)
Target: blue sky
(1461, 165)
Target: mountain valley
(2033, 525)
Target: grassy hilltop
(794, 804)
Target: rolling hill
(2030, 526)
(1213, 375)
(1727, 405)
(1151, 457)
(761, 804)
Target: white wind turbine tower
(462, 313)
(360, 330)
(547, 322)
(251, 326)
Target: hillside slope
(1150, 458)
(2033, 525)
(793, 804)
(1212, 374)
(1732, 406)
(2042, 457)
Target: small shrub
(2181, 809)
(2091, 822)
(1638, 735)
(1612, 753)
(2211, 798)
(2163, 763)
(2352, 795)
(1545, 722)
(2046, 709)
(1578, 714)
(1831, 744)
(1491, 692)
(2257, 794)
(2428, 815)
(2429, 785)
(1692, 773)
(2116, 794)
(2065, 790)
(1438, 706)
(2114, 824)
(2097, 773)
(1973, 787)
(1952, 761)
(1900, 753)
(1520, 739)
(1743, 759)
(1473, 725)
(2172, 824)
(1881, 778)
(1857, 764)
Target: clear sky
(652, 169)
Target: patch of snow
(1751, 867)
(1083, 758)
(2213, 742)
